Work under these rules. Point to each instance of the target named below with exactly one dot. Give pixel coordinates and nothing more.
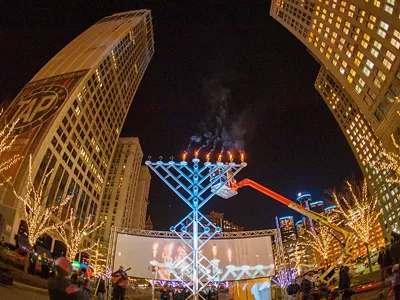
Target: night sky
(204, 53)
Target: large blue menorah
(196, 185)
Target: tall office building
(72, 111)
(141, 198)
(125, 191)
(286, 225)
(357, 45)
(317, 206)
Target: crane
(231, 190)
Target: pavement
(20, 293)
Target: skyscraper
(72, 111)
(127, 187)
(288, 232)
(317, 206)
(357, 44)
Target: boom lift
(231, 189)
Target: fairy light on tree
(98, 261)
(6, 143)
(74, 234)
(35, 211)
(299, 255)
(319, 239)
(359, 211)
(386, 161)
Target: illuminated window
(381, 75)
(360, 55)
(345, 30)
(370, 25)
(377, 45)
(377, 3)
(366, 71)
(395, 43)
(341, 70)
(384, 25)
(374, 52)
(348, 53)
(361, 82)
(334, 62)
(377, 83)
(396, 34)
(372, 18)
(390, 55)
(388, 9)
(381, 33)
(387, 64)
(352, 72)
(358, 89)
(370, 64)
(367, 37)
(364, 44)
(344, 64)
(357, 62)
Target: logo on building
(36, 106)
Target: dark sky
(293, 142)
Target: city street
(12, 293)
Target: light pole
(154, 270)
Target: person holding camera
(61, 287)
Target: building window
(381, 33)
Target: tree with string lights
(319, 238)
(6, 143)
(387, 161)
(299, 253)
(359, 210)
(36, 212)
(74, 234)
(98, 260)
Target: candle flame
(208, 157)
(196, 154)
(242, 156)
(230, 157)
(184, 155)
(220, 157)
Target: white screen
(231, 259)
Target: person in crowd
(292, 290)
(344, 283)
(79, 277)
(120, 283)
(45, 266)
(305, 288)
(396, 282)
(101, 288)
(165, 293)
(60, 286)
(395, 247)
(32, 261)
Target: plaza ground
(13, 293)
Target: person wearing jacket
(60, 286)
(344, 283)
(101, 288)
(396, 282)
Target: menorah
(196, 185)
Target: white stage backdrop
(232, 259)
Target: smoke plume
(222, 130)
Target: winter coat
(61, 288)
(102, 287)
(305, 286)
(344, 280)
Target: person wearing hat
(60, 286)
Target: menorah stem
(195, 254)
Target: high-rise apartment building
(127, 187)
(357, 44)
(141, 198)
(72, 111)
(286, 225)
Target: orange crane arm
(300, 209)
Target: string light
(37, 214)
(74, 237)
(361, 215)
(6, 143)
(319, 238)
(98, 262)
(386, 161)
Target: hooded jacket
(61, 288)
